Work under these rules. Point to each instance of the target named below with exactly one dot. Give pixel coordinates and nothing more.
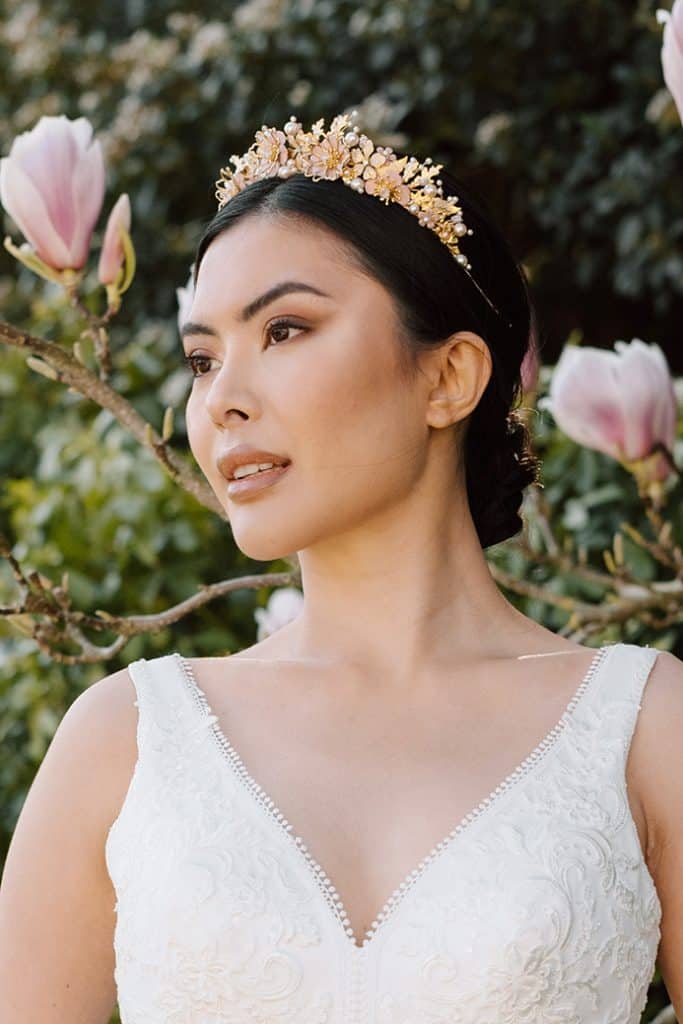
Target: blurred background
(556, 114)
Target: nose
(227, 398)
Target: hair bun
(508, 466)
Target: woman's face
(316, 378)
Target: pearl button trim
(324, 883)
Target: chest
(372, 786)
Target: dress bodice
(538, 908)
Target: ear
(458, 371)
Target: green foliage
(552, 111)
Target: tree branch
(68, 370)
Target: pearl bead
(351, 138)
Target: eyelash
(190, 361)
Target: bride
(412, 804)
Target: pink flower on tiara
(271, 150)
(327, 158)
(383, 178)
(359, 157)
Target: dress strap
(144, 702)
(166, 717)
(642, 661)
(170, 735)
(151, 679)
(614, 709)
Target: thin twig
(73, 373)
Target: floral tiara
(343, 152)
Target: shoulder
(657, 753)
(103, 704)
(90, 750)
(96, 719)
(97, 737)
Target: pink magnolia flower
(672, 52)
(52, 185)
(621, 403)
(112, 256)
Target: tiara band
(344, 153)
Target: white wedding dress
(538, 908)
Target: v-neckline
(397, 898)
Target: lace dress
(538, 908)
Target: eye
(284, 324)
(192, 361)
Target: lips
(254, 462)
(256, 482)
(243, 455)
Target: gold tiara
(344, 153)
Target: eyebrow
(250, 310)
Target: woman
(232, 828)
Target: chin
(268, 551)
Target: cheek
(192, 421)
(357, 419)
(199, 433)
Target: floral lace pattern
(539, 909)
